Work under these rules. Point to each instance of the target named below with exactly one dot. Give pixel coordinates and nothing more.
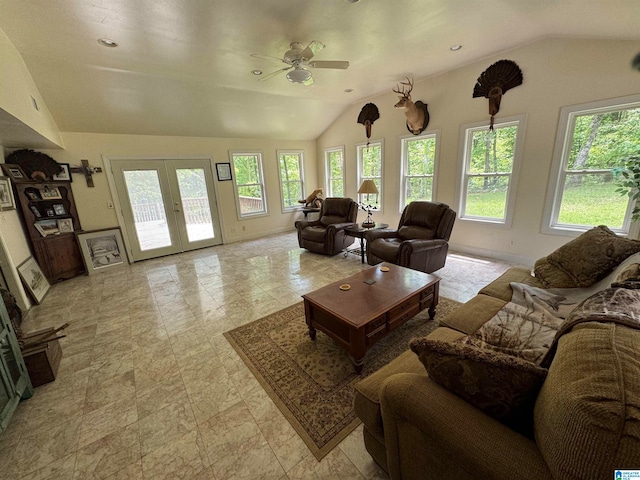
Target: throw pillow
(502, 386)
(591, 256)
(551, 276)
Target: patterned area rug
(312, 382)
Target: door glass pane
(195, 203)
(149, 216)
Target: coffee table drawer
(398, 311)
(376, 335)
(375, 324)
(406, 314)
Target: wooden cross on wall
(87, 170)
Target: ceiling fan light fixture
(298, 75)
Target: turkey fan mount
(495, 81)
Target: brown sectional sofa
(586, 418)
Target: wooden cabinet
(50, 218)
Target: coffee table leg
(357, 364)
(312, 332)
(432, 312)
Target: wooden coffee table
(359, 317)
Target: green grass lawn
(582, 205)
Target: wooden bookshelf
(43, 205)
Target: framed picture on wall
(224, 171)
(102, 249)
(33, 279)
(65, 175)
(15, 173)
(6, 195)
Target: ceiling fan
(298, 59)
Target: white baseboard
(254, 236)
(484, 252)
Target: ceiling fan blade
(341, 65)
(266, 57)
(308, 82)
(313, 48)
(273, 74)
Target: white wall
(92, 202)
(557, 72)
(16, 91)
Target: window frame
(404, 168)
(520, 121)
(561, 153)
(259, 155)
(361, 197)
(327, 171)
(298, 206)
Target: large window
(248, 180)
(418, 168)
(489, 170)
(291, 186)
(370, 168)
(593, 142)
(334, 171)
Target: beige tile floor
(148, 387)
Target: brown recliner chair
(326, 235)
(421, 240)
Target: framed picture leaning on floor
(33, 279)
(102, 249)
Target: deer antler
(404, 93)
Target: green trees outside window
(291, 179)
(248, 180)
(598, 145)
(334, 167)
(370, 168)
(419, 156)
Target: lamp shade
(368, 186)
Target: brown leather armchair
(326, 235)
(421, 240)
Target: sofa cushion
(469, 317)
(551, 276)
(502, 386)
(591, 256)
(501, 286)
(587, 416)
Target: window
(291, 186)
(370, 168)
(593, 142)
(248, 182)
(418, 168)
(489, 171)
(334, 171)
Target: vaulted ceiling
(183, 67)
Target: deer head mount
(417, 113)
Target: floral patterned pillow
(502, 386)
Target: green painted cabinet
(14, 378)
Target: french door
(168, 206)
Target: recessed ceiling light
(107, 42)
(348, 90)
(455, 48)
(256, 72)
(352, 1)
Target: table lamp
(368, 187)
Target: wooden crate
(42, 361)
